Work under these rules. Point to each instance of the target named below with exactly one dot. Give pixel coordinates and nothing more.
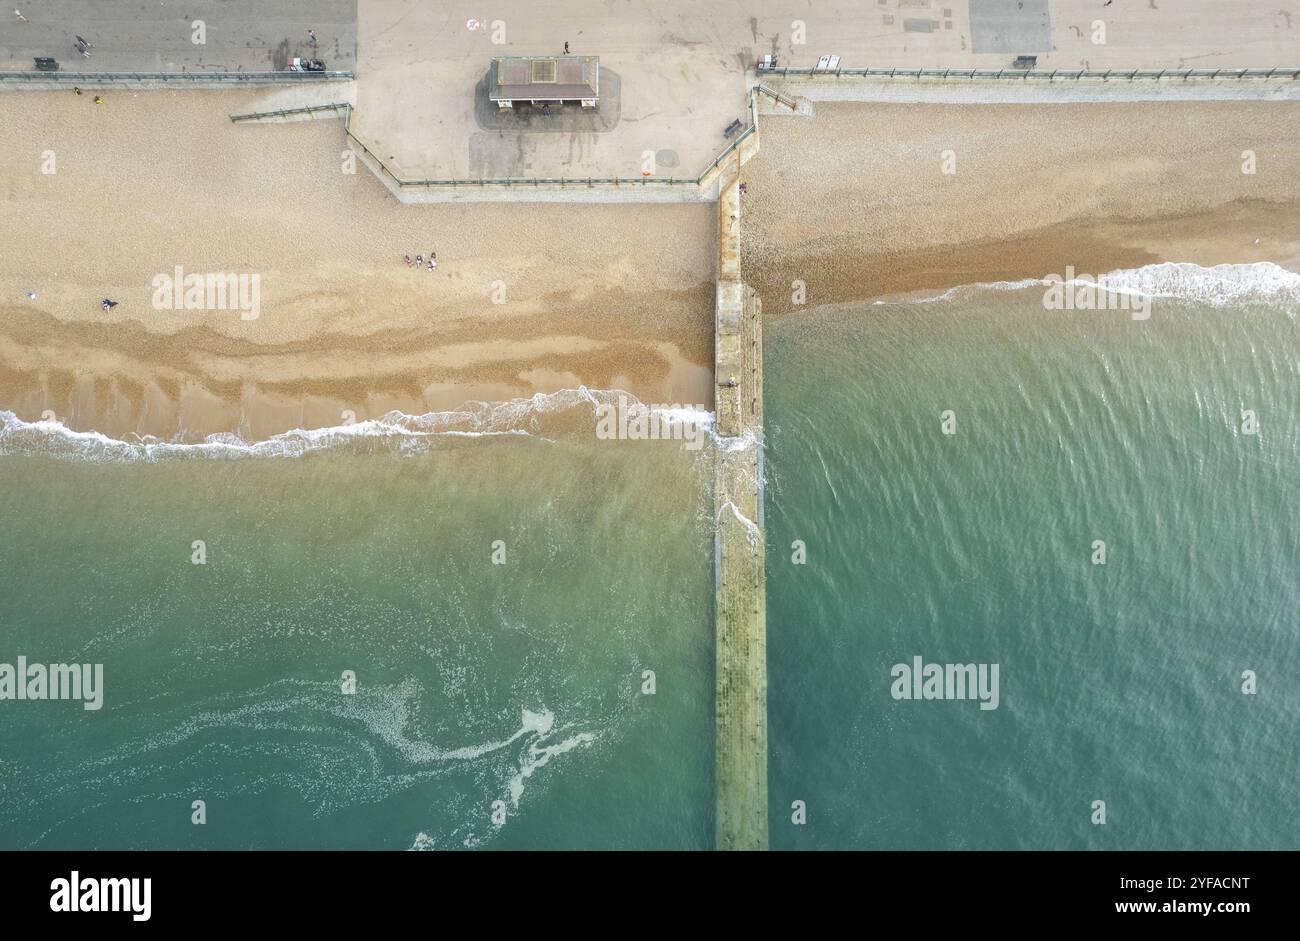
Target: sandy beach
(853, 202)
(525, 298)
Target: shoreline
(543, 416)
(525, 299)
(963, 194)
(1222, 236)
(316, 419)
(593, 296)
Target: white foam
(388, 715)
(752, 533)
(748, 438)
(684, 415)
(539, 722)
(404, 432)
(539, 755)
(1217, 286)
(1221, 285)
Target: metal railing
(284, 112)
(525, 182)
(777, 96)
(1289, 74)
(34, 77)
(108, 78)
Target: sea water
(1102, 507)
(1172, 441)
(499, 582)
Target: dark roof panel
(545, 78)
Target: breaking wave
(538, 416)
(1219, 286)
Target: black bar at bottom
(332, 890)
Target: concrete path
(153, 36)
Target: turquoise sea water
(522, 682)
(1119, 682)
(477, 682)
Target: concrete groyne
(739, 591)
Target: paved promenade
(153, 36)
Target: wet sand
(525, 299)
(854, 201)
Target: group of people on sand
(419, 261)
